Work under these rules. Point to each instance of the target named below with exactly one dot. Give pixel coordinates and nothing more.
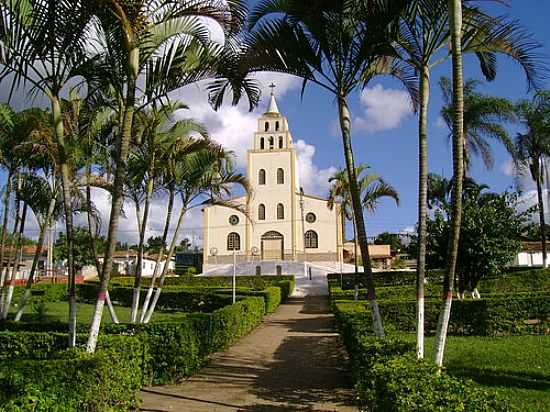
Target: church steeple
(272, 108)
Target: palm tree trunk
(356, 275)
(67, 204)
(422, 207)
(161, 253)
(93, 241)
(139, 267)
(17, 261)
(541, 219)
(455, 14)
(120, 176)
(43, 227)
(7, 194)
(153, 305)
(345, 124)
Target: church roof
(272, 108)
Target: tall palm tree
(455, 23)
(423, 36)
(532, 150)
(483, 119)
(44, 44)
(170, 47)
(339, 46)
(203, 177)
(372, 189)
(160, 139)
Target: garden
(498, 348)
(194, 318)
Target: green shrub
(388, 378)
(42, 292)
(73, 380)
(271, 296)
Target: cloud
(508, 168)
(313, 179)
(384, 109)
(233, 126)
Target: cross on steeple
(272, 86)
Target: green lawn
(517, 366)
(59, 311)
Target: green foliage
(392, 239)
(82, 248)
(72, 380)
(388, 378)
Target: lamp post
(303, 229)
(234, 280)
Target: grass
(59, 311)
(516, 366)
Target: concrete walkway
(293, 362)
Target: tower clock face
(311, 218)
(233, 220)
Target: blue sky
(393, 153)
(385, 134)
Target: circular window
(233, 220)
(311, 218)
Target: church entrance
(272, 246)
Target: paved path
(293, 362)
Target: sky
(384, 132)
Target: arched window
(280, 142)
(280, 211)
(261, 177)
(280, 176)
(266, 126)
(271, 142)
(311, 240)
(277, 126)
(261, 212)
(233, 241)
(262, 143)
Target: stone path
(293, 362)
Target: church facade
(284, 223)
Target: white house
(530, 254)
(284, 223)
(124, 263)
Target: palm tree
(168, 47)
(44, 47)
(372, 189)
(532, 150)
(423, 34)
(340, 46)
(159, 141)
(203, 177)
(483, 118)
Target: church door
(272, 246)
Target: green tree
(532, 150)
(83, 251)
(391, 239)
(155, 244)
(339, 46)
(484, 117)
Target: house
(530, 254)
(124, 263)
(380, 255)
(25, 263)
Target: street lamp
(303, 228)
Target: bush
(271, 296)
(42, 292)
(388, 378)
(73, 380)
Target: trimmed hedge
(42, 292)
(272, 296)
(388, 378)
(73, 380)
(504, 315)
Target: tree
(483, 119)
(392, 239)
(339, 46)
(372, 189)
(423, 33)
(532, 150)
(83, 250)
(489, 238)
(155, 244)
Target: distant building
(124, 263)
(530, 254)
(379, 254)
(25, 263)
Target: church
(284, 223)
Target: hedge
(272, 296)
(388, 378)
(504, 315)
(73, 380)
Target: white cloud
(312, 179)
(508, 168)
(384, 109)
